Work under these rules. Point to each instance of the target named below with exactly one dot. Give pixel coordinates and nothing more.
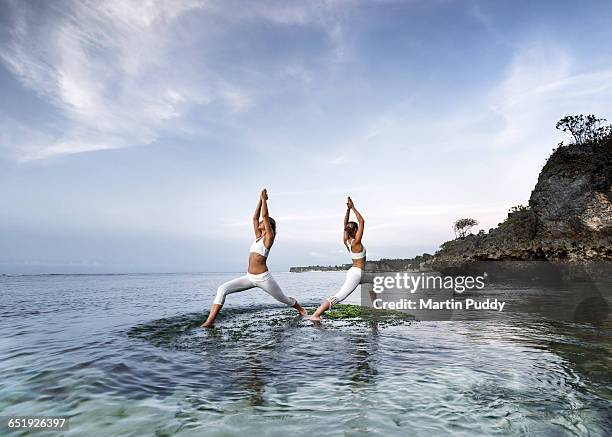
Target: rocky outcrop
(568, 219)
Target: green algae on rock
(348, 311)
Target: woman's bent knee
(220, 297)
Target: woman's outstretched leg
(233, 286)
(353, 279)
(322, 308)
(300, 309)
(270, 286)
(212, 315)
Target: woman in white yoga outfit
(353, 233)
(257, 273)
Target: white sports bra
(259, 247)
(356, 255)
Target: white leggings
(354, 277)
(265, 281)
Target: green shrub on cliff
(518, 214)
(585, 129)
(463, 226)
(518, 208)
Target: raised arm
(265, 217)
(346, 220)
(347, 216)
(361, 224)
(256, 215)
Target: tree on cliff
(464, 226)
(585, 129)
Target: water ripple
(123, 355)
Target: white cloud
(544, 83)
(121, 72)
(435, 164)
(100, 63)
(123, 75)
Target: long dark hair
(351, 229)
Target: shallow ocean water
(122, 356)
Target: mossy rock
(182, 332)
(347, 311)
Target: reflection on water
(122, 355)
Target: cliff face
(569, 217)
(572, 203)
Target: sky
(136, 136)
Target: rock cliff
(568, 219)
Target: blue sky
(136, 136)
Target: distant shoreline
(419, 263)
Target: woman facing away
(257, 273)
(353, 233)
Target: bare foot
(206, 325)
(302, 312)
(315, 318)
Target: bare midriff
(257, 264)
(359, 263)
